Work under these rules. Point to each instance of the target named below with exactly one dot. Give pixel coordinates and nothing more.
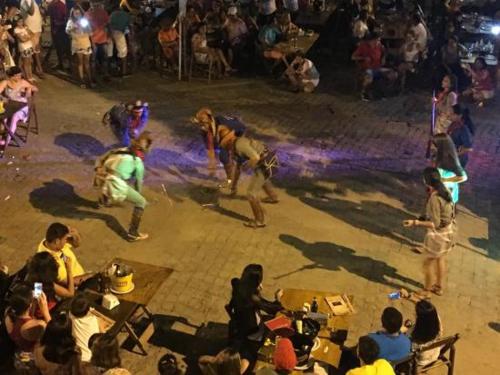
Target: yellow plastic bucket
(122, 284)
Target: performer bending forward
(262, 161)
(114, 169)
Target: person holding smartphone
(21, 325)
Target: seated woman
(106, 355)
(427, 330)
(43, 268)
(169, 41)
(409, 57)
(22, 327)
(483, 87)
(16, 89)
(246, 308)
(302, 74)
(204, 54)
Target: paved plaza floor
(351, 172)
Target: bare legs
(84, 73)
(25, 63)
(434, 275)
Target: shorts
(257, 181)
(82, 51)
(28, 52)
(201, 58)
(120, 42)
(375, 73)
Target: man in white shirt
(420, 32)
(33, 20)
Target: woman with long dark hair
(21, 325)
(58, 352)
(444, 103)
(246, 308)
(448, 164)
(106, 355)
(427, 329)
(439, 239)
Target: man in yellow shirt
(59, 242)
(368, 352)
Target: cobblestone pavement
(350, 174)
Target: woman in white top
(427, 330)
(78, 28)
(33, 20)
(25, 46)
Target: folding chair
(31, 125)
(404, 366)
(446, 355)
(193, 62)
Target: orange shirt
(168, 35)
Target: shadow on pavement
(80, 145)
(58, 198)
(494, 326)
(333, 257)
(180, 336)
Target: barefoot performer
(262, 161)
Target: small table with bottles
(147, 281)
(327, 351)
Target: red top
(58, 14)
(16, 336)
(98, 19)
(372, 54)
(483, 81)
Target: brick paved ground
(350, 175)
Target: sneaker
(137, 237)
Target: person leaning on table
(59, 242)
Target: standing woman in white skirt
(439, 221)
(78, 28)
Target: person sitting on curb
(302, 74)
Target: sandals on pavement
(437, 290)
(270, 200)
(253, 224)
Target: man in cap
(262, 161)
(114, 169)
(211, 127)
(127, 121)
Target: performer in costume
(127, 121)
(211, 127)
(262, 161)
(114, 169)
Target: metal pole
(180, 47)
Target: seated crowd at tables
(431, 50)
(375, 353)
(55, 333)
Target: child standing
(25, 45)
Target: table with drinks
(319, 325)
(128, 287)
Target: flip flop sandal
(437, 290)
(253, 224)
(419, 296)
(270, 200)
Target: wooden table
(327, 352)
(147, 279)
